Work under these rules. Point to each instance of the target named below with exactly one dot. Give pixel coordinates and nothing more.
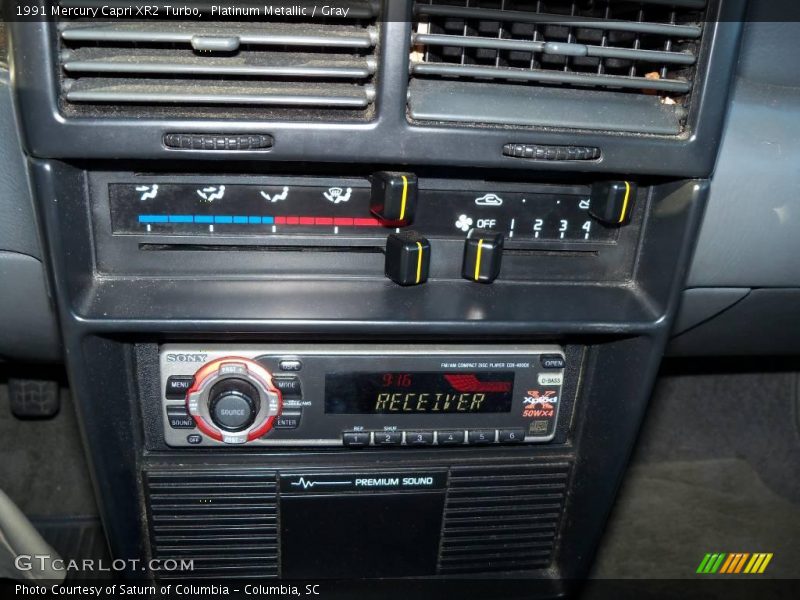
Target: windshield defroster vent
(221, 66)
(557, 62)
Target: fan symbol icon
(464, 223)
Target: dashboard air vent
(221, 65)
(226, 522)
(558, 63)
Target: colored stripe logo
(734, 563)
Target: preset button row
(455, 437)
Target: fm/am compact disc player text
(360, 396)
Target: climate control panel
(278, 210)
(360, 396)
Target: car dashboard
(381, 291)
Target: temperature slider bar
(262, 220)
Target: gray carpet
(42, 464)
(717, 470)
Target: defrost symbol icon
(337, 195)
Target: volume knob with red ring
(233, 400)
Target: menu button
(177, 386)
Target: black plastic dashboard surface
(121, 294)
(390, 137)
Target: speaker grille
(226, 521)
(502, 519)
(496, 519)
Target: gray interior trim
(28, 328)
(749, 234)
(17, 220)
(766, 322)
(702, 304)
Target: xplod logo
(734, 563)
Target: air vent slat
(257, 34)
(170, 92)
(557, 49)
(516, 62)
(287, 66)
(540, 76)
(666, 29)
(245, 64)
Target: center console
(377, 319)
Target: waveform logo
(734, 563)
(305, 484)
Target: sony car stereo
(359, 396)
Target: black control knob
(483, 253)
(408, 257)
(233, 404)
(612, 202)
(394, 197)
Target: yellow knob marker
(624, 212)
(478, 260)
(419, 261)
(404, 200)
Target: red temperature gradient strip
(470, 383)
(338, 221)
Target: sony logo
(186, 357)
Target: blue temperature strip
(207, 219)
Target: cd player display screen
(418, 393)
